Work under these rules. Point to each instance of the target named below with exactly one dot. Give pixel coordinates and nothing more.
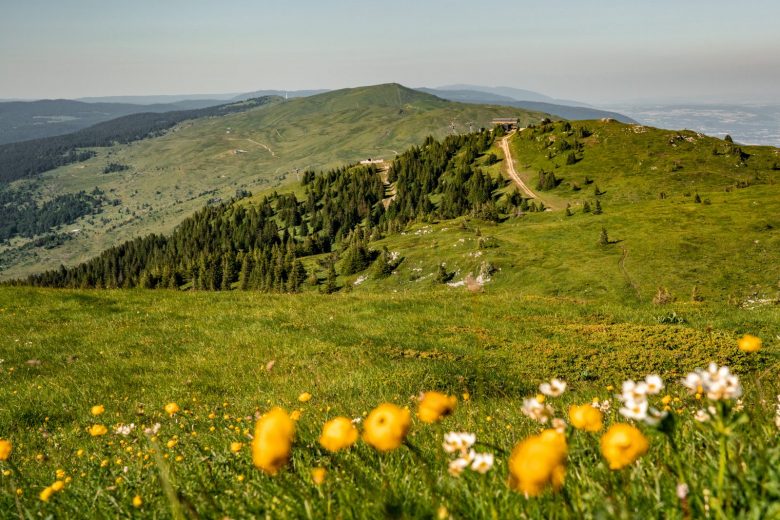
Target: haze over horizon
(700, 50)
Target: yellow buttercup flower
(295, 415)
(666, 399)
(97, 430)
(60, 473)
(338, 433)
(137, 501)
(46, 494)
(623, 444)
(58, 486)
(435, 405)
(304, 397)
(172, 408)
(318, 475)
(585, 417)
(98, 409)
(386, 426)
(5, 449)
(272, 442)
(749, 343)
(235, 447)
(537, 462)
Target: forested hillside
(258, 245)
(29, 158)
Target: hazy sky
(591, 50)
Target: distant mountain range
(574, 113)
(26, 120)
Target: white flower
(634, 391)
(559, 425)
(482, 462)
(693, 382)
(357, 420)
(537, 411)
(458, 442)
(153, 430)
(654, 384)
(634, 410)
(554, 388)
(457, 466)
(124, 429)
(682, 491)
(716, 382)
(701, 416)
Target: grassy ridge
(173, 176)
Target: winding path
(510, 167)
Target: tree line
(29, 158)
(260, 245)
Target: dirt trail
(510, 167)
(622, 265)
(254, 142)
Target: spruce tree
(330, 280)
(603, 237)
(597, 210)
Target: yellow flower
(435, 405)
(97, 430)
(172, 443)
(466, 396)
(79, 453)
(585, 417)
(538, 461)
(304, 397)
(137, 501)
(235, 447)
(171, 408)
(623, 444)
(386, 426)
(295, 415)
(666, 399)
(60, 473)
(5, 449)
(272, 442)
(98, 409)
(338, 433)
(318, 475)
(58, 486)
(749, 343)
(46, 494)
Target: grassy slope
(133, 351)
(727, 248)
(176, 174)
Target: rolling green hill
(547, 298)
(676, 208)
(172, 176)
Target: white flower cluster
(635, 403)
(461, 443)
(124, 429)
(153, 430)
(554, 388)
(717, 383)
(603, 406)
(537, 410)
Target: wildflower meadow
(698, 444)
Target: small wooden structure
(507, 123)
